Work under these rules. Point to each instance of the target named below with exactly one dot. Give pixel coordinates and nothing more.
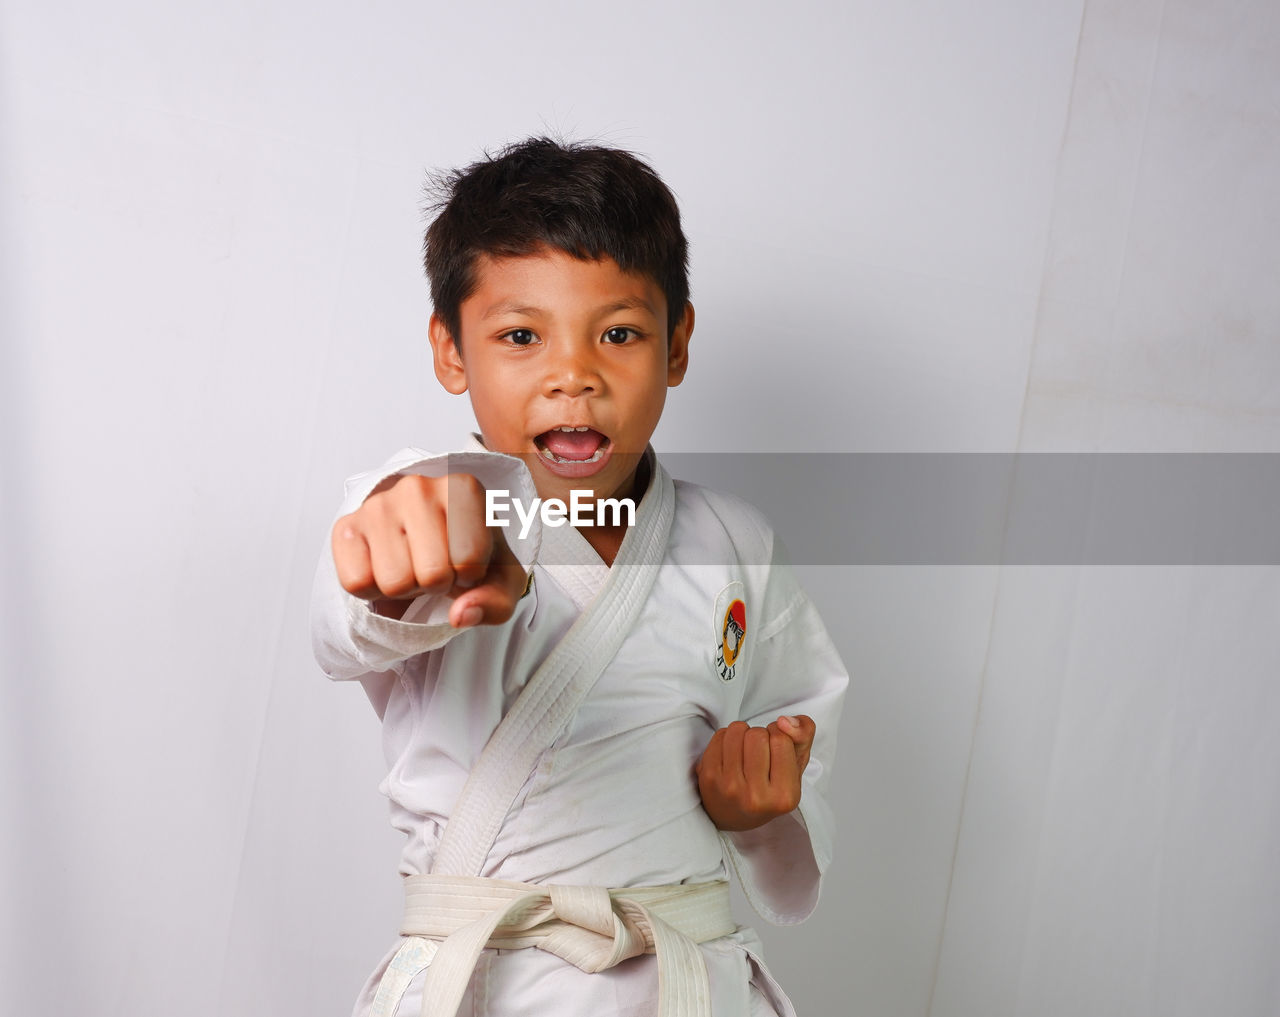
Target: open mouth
(569, 445)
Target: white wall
(999, 226)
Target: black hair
(586, 200)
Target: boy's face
(551, 342)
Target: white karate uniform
(613, 801)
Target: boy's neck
(607, 540)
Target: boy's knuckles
(351, 564)
(413, 487)
(412, 497)
(397, 584)
(464, 485)
(358, 583)
(375, 510)
(755, 739)
(433, 577)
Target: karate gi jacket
(724, 633)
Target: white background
(992, 226)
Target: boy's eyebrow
(629, 304)
(624, 304)
(506, 307)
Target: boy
(586, 719)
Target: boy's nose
(572, 373)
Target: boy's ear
(678, 348)
(446, 357)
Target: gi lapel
(556, 689)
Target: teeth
(566, 427)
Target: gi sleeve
(795, 670)
(350, 640)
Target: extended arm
(403, 608)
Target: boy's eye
(520, 336)
(619, 334)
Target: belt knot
(591, 921)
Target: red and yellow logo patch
(733, 631)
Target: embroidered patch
(731, 631)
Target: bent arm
(796, 671)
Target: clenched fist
(418, 535)
(750, 775)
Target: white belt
(449, 919)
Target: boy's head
(561, 293)
(587, 201)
